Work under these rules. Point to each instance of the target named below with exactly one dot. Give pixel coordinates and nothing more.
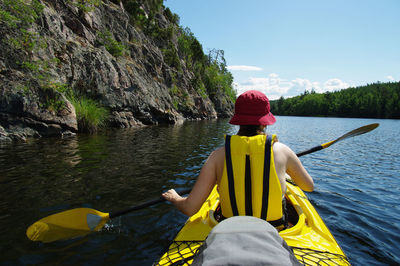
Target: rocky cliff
(125, 55)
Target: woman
(249, 170)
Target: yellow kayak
(308, 236)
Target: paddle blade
(353, 133)
(67, 224)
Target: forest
(377, 100)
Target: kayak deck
(309, 237)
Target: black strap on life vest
(231, 183)
(267, 162)
(247, 188)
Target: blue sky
(285, 47)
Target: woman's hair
(251, 130)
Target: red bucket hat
(252, 108)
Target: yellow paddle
(82, 221)
(78, 222)
(353, 133)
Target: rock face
(136, 87)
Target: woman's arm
(297, 171)
(287, 161)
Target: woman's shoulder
(217, 156)
(282, 148)
(219, 152)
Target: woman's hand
(204, 184)
(179, 202)
(171, 196)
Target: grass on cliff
(89, 114)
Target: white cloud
(274, 86)
(299, 85)
(390, 78)
(244, 68)
(335, 84)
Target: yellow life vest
(250, 185)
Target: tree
(379, 100)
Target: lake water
(357, 187)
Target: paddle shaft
(144, 205)
(316, 148)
